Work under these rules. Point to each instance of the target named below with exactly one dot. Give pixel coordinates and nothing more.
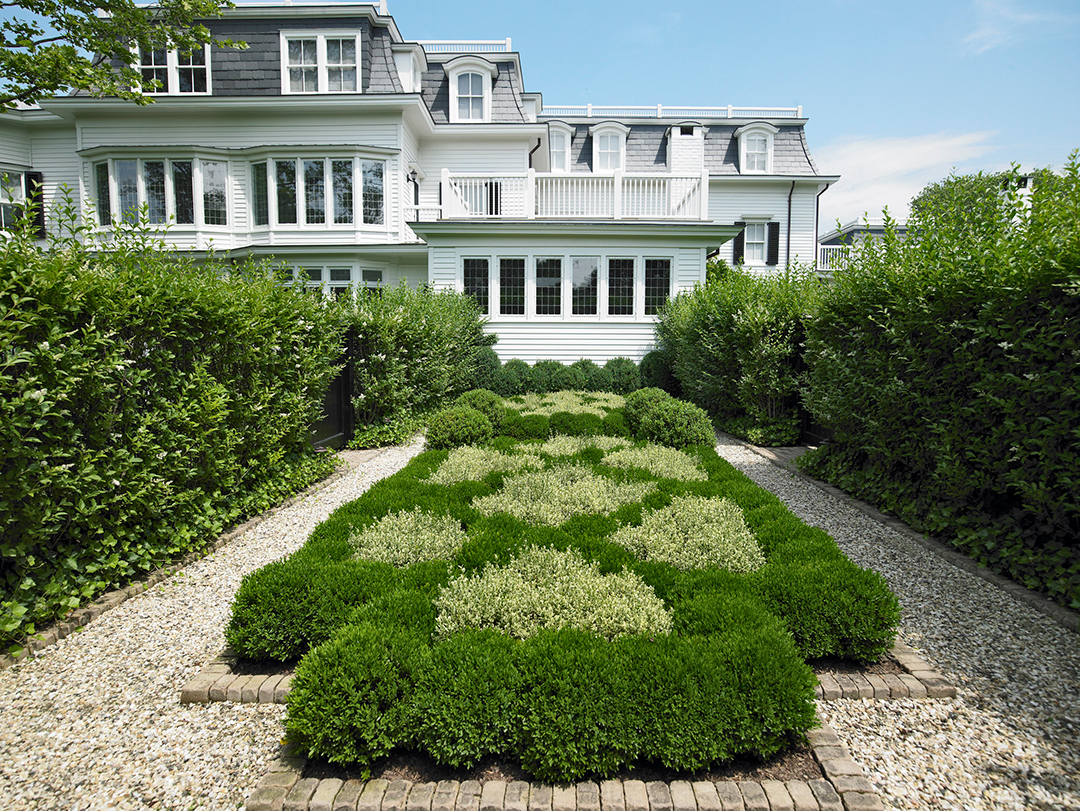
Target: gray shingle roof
(505, 94)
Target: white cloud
(1002, 21)
(887, 172)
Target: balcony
(832, 257)
(531, 195)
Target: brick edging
(1066, 618)
(845, 786)
(83, 616)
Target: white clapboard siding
(480, 156)
(14, 144)
(53, 154)
(442, 268)
(731, 202)
(566, 343)
(689, 268)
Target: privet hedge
(146, 403)
(947, 364)
(734, 346)
(391, 657)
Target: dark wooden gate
(335, 429)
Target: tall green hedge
(735, 346)
(948, 363)
(145, 403)
(413, 349)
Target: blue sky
(897, 93)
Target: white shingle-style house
(336, 146)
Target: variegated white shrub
(659, 460)
(550, 497)
(693, 532)
(562, 445)
(405, 538)
(470, 463)
(576, 402)
(548, 588)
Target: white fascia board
(266, 12)
(802, 180)
(687, 234)
(314, 150)
(489, 132)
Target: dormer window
(320, 62)
(559, 136)
(470, 80)
(756, 148)
(609, 146)
(174, 72)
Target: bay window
(318, 192)
(161, 191)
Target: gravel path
(1011, 739)
(94, 722)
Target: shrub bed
(728, 678)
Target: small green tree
(52, 46)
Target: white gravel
(1011, 739)
(95, 721)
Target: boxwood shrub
(729, 680)
(458, 425)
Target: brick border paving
(844, 788)
(86, 614)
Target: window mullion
(320, 59)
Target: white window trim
(608, 128)
(530, 257)
(328, 223)
(568, 132)
(170, 194)
(470, 64)
(172, 64)
(757, 128)
(762, 220)
(320, 37)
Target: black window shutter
(774, 244)
(738, 248)
(35, 196)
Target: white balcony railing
(662, 111)
(473, 46)
(529, 195)
(832, 257)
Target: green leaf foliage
(458, 425)
(146, 403)
(728, 680)
(947, 364)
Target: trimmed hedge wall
(947, 364)
(730, 680)
(145, 404)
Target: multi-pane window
(620, 287)
(373, 172)
(285, 186)
(754, 242)
(340, 282)
(511, 286)
(341, 173)
(657, 284)
(12, 197)
(757, 153)
(165, 187)
(608, 152)
(260, 210)
(165, 72)
(314, 192)
(583, 295)
(476, 281)
(557, 141)
(323, 190)
(470, 96)
(548, 286)
(321, 63)
(371, 281)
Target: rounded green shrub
(570, 424)
(547, 376)
(624, 374)
(513, 378)
(694, 532)
(656, 372)
(614, 424)
(289, 606)
(640, 401)
(486, 366)
(352, 697)
(527, 426)
(486, 402)
(676, 423)
(458, 425)
(596, 378)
